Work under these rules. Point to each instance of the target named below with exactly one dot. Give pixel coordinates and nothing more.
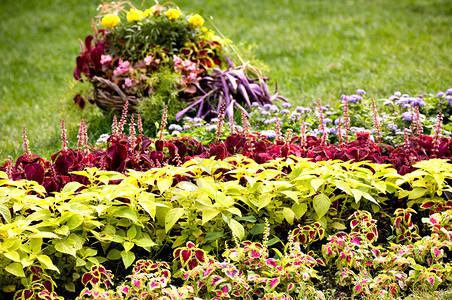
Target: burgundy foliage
(120, 156)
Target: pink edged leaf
(272, 283)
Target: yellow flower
(196, 20)
(149, 12)
(173, 14)
(110, 21)
(135, 15)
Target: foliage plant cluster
(359, 227)
(161, 56)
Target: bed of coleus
(245, 215)
(354, 228)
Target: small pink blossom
(123, 68)
(105, 59)
(148, 59)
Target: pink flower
(148, 59)
(105, 59)
(123, 68)
(128, 83)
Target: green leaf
(164, 184)
(257, 229)
(71, 187)
(47, 263)
(273, 241)
(292, 195)
(235, 211)
(4, 211)
(263, 201)
(289, 215)
(35, 245)
(127, 246)
(172, 217)
(316, 183)
(148, 205)
(44, 234)
(321, 204)
(343, 186)
(208, 214)
(381, 186)
(145, 242)
(128, 257)
(132, 232)
(251, 219)
(211, 236)
(16, 269)
(237, 229)
(66, 246)
(417, 193)
(13, 255)
(338, 226)
(74, 222)
(357, 194)
(127, 213)
(114, 254)
(299, 209)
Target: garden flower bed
(272, 202)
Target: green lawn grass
(313, 49)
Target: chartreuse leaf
(5, 213)
(208, 214)
(147, 202)
(71, 187)
(289, 215)
(172, 217)
(321, 204)
(128, 257)
(67, 246)
(47, 263)
(164, 183)
(316, 183)
(237, 229)
(127, 213)
(16, 269)
(13, 255)
(417, 193)
(292, 195)
(299, 209)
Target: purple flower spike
(397, 94)
(440, 95)
(449, 92)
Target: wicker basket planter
(110, 97)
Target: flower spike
(63, 137)
(163, 125)
(25, 144)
